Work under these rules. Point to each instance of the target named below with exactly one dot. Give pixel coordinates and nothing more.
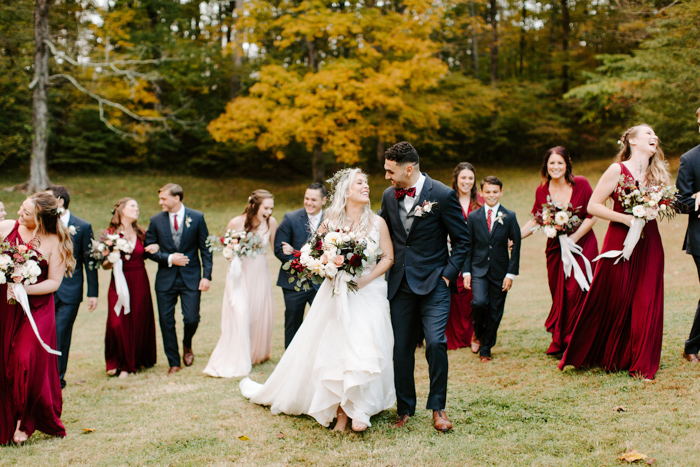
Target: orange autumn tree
(339, 76)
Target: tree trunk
(475, 40)
(522, 42)
(565, 28)
(318, 164)
(494, 40)
(38, 174)
(237, 56)
(380, 151)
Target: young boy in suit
(489, 269)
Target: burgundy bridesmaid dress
(460, 326)
(567, 296)
(130, 339)
(621, 324)
(30, 389)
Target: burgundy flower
(355, 260)
(319, 245)
(297, 253)
(296, 265)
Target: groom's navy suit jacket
(488, 255)
(294, 230)
(71, 289)
(192, 244)
(421, 254)
(688, 183)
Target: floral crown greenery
(338, 177)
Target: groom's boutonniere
(424, 209)
(499, 218)
(72, 230)
(188, 221)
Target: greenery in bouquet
(109, 247)
(238, 243)
(557, 218)
(647, 202)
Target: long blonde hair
(335, 217)
(657, 171)
(48, 222)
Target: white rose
(652, 213)
(334, 238)
(639, 211)
(316, 267)
(561, 218)
(346, 238)
(352, 235)
(304, 259)
(663, 207)
(306, 249)
(652, 203)
(3, 280)
(113, 257)
(331, 270)
(5, 261)
(237, 247)
(428, 208)
(122, 245)
(32, 268)
(550, 231)
(228, 253)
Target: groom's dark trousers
(688, 183)
(418, 294)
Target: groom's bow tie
(403, 192)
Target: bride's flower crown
(335, 180)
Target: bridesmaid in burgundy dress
(621, 324)
(559, 182)
(460, 329)
(130, 339)
(30, 391)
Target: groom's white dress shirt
(315, 221)
(180, 224)
(494, 213)
(408, 201)
(65, 217)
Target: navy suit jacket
(294, 230)
(71, 289)
(193, 244)
(489, 253)
(688, 183)
(421, 254)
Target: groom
(421, 213)
(181, 234)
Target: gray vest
(403, 215)
(177, 236)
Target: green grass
(518, 410)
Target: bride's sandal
(358, 427)
(342, 420)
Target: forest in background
(290, 86)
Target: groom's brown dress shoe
(173, 370)
(440, 421)
(188, 357)
(401, 421)
(485, 359)
(692, 357)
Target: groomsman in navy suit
(294, 230)
(489, 270)
(421, 213)
(688, 183)
(70, 294)
(181, 234)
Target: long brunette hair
(251, 210)
(568, 175)
(473, 198)
(48, 222)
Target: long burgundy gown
(130, 339)
(567, 296)
(30, 389)
(460, 325)
(621, 324)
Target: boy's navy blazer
(489, 254)
(192, 244)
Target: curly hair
(251, 210)
(48, 223)
(568, 175)
(657, 171)
(402, 153)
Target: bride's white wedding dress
(341, 355)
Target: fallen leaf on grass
(80, 383)
(88, 430)
(632, 456)
(650, 461)
(244, 438)
(280, 435)
(619, 408)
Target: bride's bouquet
(338, 255)
(557, 219)
(236, 243)
(645, 203)
(109, 247)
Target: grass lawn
(517, 410)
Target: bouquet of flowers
(19, 264)
(238, 243)
(647, 202)
(557, 219)
(109, 247)
(337, 255)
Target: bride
(337, 368)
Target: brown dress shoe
(173, 370)
(188, 357)
(692, 357)
(401, 421)
(476, 344)
(485, 359)
(440, 421)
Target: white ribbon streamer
(633, 235)
(123, 298)
(23, 300)
(235, 271)
(340, 289)
(568, 249)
